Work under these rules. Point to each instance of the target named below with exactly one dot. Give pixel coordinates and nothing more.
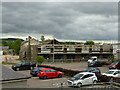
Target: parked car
(94, 62)
(113, 73)
(35, 71)
(49, 73)
(93, 70)
(23, 65)
(94, 58)
(83, 78)
(115, 65)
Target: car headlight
(75, 81)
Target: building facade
(53, 50)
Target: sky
(61, 20)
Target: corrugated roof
(8, 74)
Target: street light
(53, 49)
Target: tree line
(13, 44)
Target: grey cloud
(63, 20)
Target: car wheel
(17, 69)
(59, 75)
(39, 77)
(44, 77)
(94, 82)
(79, 85)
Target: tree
(42, 38)
(40, 59)
(89, 43)
(17, 45)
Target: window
(47, 70)
(23, 63)
(117, 72)
(27, 63)
(94, 59)
(53, 70)
(87, 76)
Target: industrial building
(53, 50)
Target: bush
(40, 59)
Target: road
(35, 82)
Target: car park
(115, 65)
(23, 65)
(112, 73)
(93, 70)
(45, 73)
(35, 71)
(83, 78)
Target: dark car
(23, 65)
(95, 64)
(93, 70)
(35, 71)
(115, 65)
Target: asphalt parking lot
(35, 82)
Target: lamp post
(53, 49)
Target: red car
(49, 73)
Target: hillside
(4, 41)
(10, 39)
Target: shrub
(40, 59)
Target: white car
(113, 73)
(83, 78)
(92, 59)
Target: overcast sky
(61, 20)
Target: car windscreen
(114, 63)
(77, 76)
(18, 64)
(109, 72)
(88, 69)
(36, 69)
(93, 58)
